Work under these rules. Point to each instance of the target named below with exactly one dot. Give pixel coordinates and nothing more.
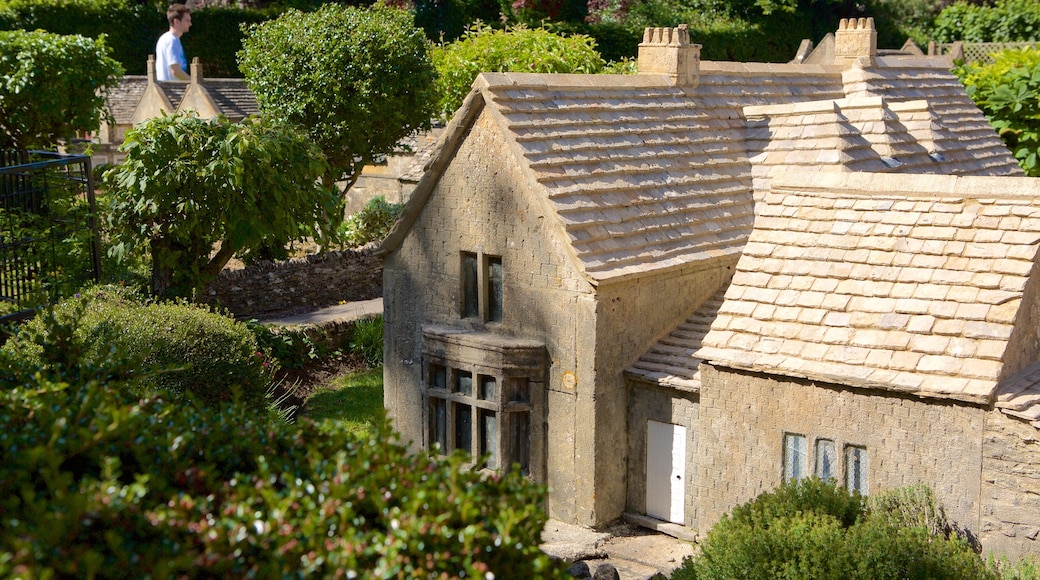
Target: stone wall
(743, 418)
(653, 403)
(483, 204)
(299, 284)
(1010, 487)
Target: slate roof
(672, 361)
(122, 100)
(645, 176)
(232, 97)
(896, 282)
(1020, 396)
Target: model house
(662, 294)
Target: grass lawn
(353, 399)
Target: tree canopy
(359, 80)
(52, 86)
(189, 184)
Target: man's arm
(178, 73)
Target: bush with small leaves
(372, 223)
(178, 348)
(813, 529)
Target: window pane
(520, 391)
(488, 388)
(489, 438)
(438, 377)
(826, 459)
(494, 294)
(856, 469)
(463, 427)
(439, 423)
(794, 457)
(463, 383)
(521, 443)
(470, 289)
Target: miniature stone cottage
(579, 244)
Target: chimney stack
(667, 51)
(855, 41)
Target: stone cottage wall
(743, 418)
(298, 285)
(483, 202)
(1010, 487)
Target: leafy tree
(189, 184)
(359, 80)
(52, 86)
(1002, 21)
(1008, 92)
(518, 49)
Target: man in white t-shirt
(170, 62)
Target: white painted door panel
(665, 471)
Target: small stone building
(139, 98)
(579, 244)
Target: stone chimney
(151, 68)
(196, 71)
(855, 41)
(667, 51)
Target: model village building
(663, 294)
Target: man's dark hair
(176, 12)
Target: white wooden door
(665, 471)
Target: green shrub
(185, 348)
(1008, 92)
(815, 530)
(519, 49)
(292, 347)
(372, 223)
(98, 482)
(366, 340)
(1003, 21)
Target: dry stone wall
(299, 284)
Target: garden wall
(298, 285)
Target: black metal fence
(48, 232)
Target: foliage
(174, 348)
(518, 49)
(353, 401)
(132, 28)
(814, 529)
(1003, 21)
(292, 347)
(359, 80)
(1027, 568)
(99, 482)
(51, 86)
(188, 184)
(446, 20)
(372, 223)
(1008, 92)
(366, 340)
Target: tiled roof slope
(898, 282)
(644, 176)
(976, 149)
(1020, 395)
(672, 361)
(232, 97)
(174, 91)
(122, 101)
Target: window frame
(481, 286)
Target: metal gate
(48, 230)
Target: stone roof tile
(933, 325)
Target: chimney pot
(668, 51)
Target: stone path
(635, 552)
(340, 313)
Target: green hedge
(101, 483)
(1004, 21)
(131, 30)
(173, 347)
